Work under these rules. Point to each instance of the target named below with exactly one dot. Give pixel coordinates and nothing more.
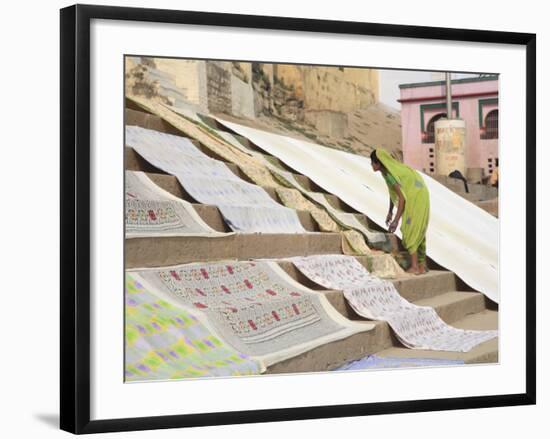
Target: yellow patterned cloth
(379, 264)
(164, 341)
(295, 200)
(353, 243)
(259, 175)
(384, 266)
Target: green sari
(416, 214)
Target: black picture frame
(75, 217)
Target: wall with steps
(476, 192)
(438, 288)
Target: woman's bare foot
(420, 269)
(412, 270)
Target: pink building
(475, 100)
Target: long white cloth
(417, 327)
(460, 236)
(246, 207)
(152, 211)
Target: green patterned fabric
(416, 214)
(168, 342)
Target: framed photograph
(275, 218)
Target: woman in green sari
(410, 194)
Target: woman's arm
(390, 213)
(400, 209)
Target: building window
(429, 135)
(490, 128)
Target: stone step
(483, 353)
(332, 355)
(134, 162)
(412, 288)
(171, 184)
(212, 216)
(162, 251)
(382, 341)
(451, 306)
(455, 305)
(149, 121)
(432, 283)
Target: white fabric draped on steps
(247, 208)
(461, 237)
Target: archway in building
(491, 125)
(430, 128)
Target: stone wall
(323, 97)
(329, 123)
(329, 88)
(334, 89)
(242, 98)
(218, 88)
(189, 77)
(318, 96)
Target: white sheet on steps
(246, 207)
(417, 327)
(461, 237)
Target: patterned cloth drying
(417, 327)
(152, 211)
(258, 308)
(164, 341)
(246, 207)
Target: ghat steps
(441, 289)
(170, 183)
